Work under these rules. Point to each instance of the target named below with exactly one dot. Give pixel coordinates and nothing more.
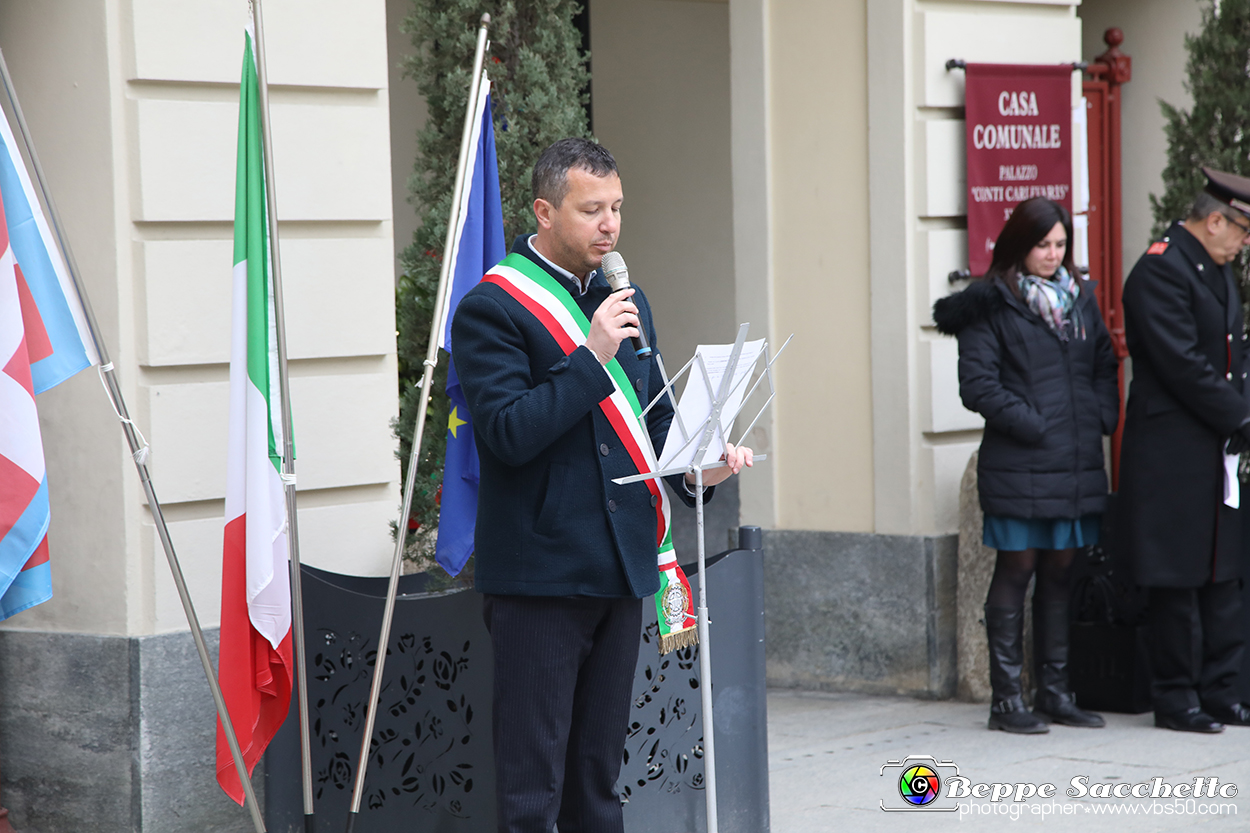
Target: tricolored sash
(553, 306)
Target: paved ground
(826, 752)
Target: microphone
(618, 278)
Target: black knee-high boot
(1054, 699)
(1005, 629)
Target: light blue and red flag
(44, 340)
(476, 247)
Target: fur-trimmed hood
(980, 300)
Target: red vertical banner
(1019, 130)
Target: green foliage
(1216, 131)
(539, 83)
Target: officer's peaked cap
(1229, 188)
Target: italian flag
(255, 662)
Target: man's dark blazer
(1183, 321)
(550, 521)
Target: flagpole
(288, 441)
(138, 450)
(431, 361)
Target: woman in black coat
(1036, 361)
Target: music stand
(709, 428)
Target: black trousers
(1196, 645)
(564, 671)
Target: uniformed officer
(1186, 409)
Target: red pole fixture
(1102, 95)
(5, 827)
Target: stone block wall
(975, 569)
(110, 734)
(860, 612)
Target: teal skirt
(1004, 533)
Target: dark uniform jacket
(1047, 402)
(549, 520)
(1182, 316)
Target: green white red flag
(255, 662)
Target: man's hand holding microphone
(617, 319)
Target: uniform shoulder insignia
(1157, 248)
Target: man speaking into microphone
(564, 555)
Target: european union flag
(476, 247)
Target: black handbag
(1108, 663)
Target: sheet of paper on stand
(695, 404)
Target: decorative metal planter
(431, 768)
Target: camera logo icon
(918, 783)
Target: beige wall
(778, 198)
(58, 54)
(134, 105)
(668, 101)
(923, 436)
(751, 162)
(1154, 35)
(867, 433)
(661, 105)
(407, 110)
(819, 107)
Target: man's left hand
(735, 458)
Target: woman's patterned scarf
(1054, 299)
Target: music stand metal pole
(710, 430)
(705, 664)
(138, 451)
(431, 361)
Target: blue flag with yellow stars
(476, 247)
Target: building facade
(106, 718)
(795, 164)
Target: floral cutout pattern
(664, 743)
(419, 755)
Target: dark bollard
(662, 779)
(736, 599)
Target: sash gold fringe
(681, 639)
